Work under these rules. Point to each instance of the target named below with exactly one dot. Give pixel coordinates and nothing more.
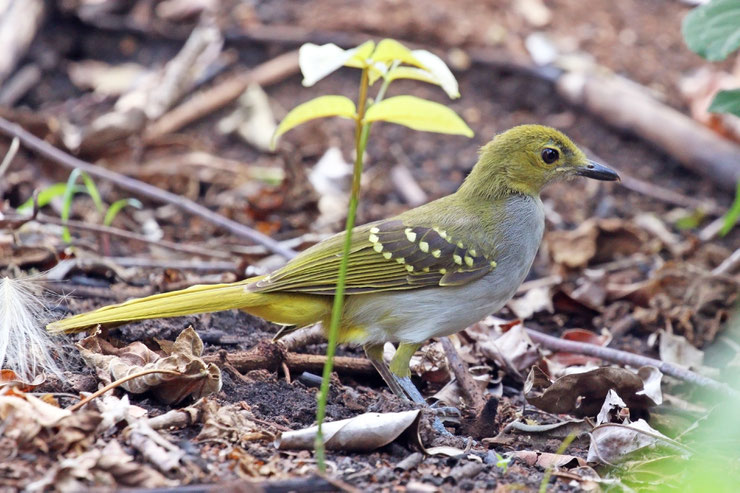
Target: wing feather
(387, 255)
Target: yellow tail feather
(283, 308)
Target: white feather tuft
(25, 346)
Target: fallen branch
(140, 188)
(628, 359)
(122, 233)
(218, 96)
(628, 106)
(270, 356)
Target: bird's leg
(401, 373)
(398, 376)
(374, 353)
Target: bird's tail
(196, 299)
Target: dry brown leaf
(196, 377)
(232, 423)
(684, 298)
(362, 433)
(535, 300)
(35, 424)
(546, 459)
(610, 442)
(582, 394)
(595, 240)
(109, 468)
(513, 351)
(677, 350)
(154, 447)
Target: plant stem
(361, 134)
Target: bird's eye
(550, 155)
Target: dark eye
(550, 155)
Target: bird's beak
(598, 172)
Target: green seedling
(385, 61)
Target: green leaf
(733, 214)
(713, 30)
(418, 114)
(116, 207)
(46, 195)
(69, 191)
(726, 102)
(389, 50)
(320, 107)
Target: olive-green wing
(387, 255)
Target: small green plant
(68, 190)
(385, 61)
(713, 32)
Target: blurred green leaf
(46, 195)
(320, 107)
(418, 114)
(116, 207)
(713, 30)
(726, 101)
(389, 50)
(70, 190)
(733, 214)
(691, 220)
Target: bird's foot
(415, 396)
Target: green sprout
(68, 190)
(387, 60)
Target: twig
(669, 196)
(210, 100)
(122, 233)
(270, 356)
(470, 390)
(50, 152)
(9, 156)
(17, 86)
(119, 382)
(631, 359)
(303, 337)
(173, 264)
(728, 265)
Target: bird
(428, 272)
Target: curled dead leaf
(582, 394)
(196, 378)
(362, 433)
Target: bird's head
(526, 158)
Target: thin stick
(729, 264)
(117, 383)
(122, 233)
(140, 188)
(470, 390)
(631, 359)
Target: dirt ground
(640, 40)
